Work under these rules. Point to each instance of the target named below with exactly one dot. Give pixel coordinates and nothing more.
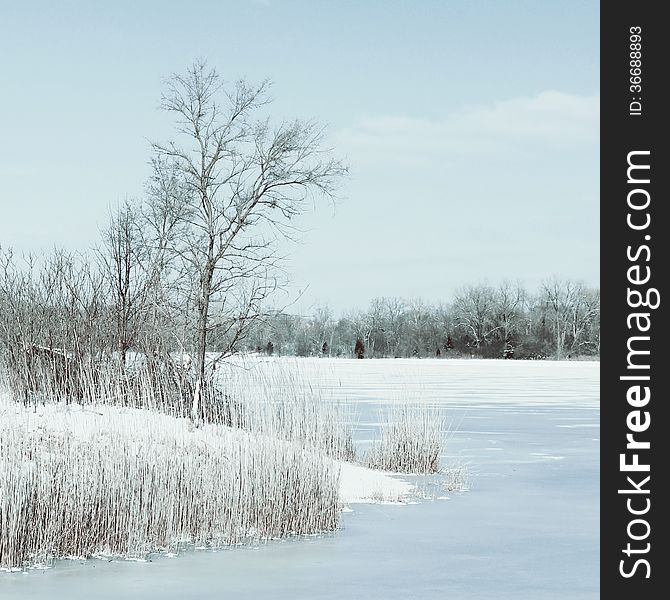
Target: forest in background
(561, 321)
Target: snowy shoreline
(358, 484)
(115, 481)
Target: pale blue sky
(471, 128)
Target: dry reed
(410, 440)
(135, 483)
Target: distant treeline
(561, 320)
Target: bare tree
(509, 310)
(421, 331)
(393, 314)
(135, 256)
(243, 182)
(585, 320)
(323, 329)
(53, 321)
(474, 310)
(124, 262)
(571, 308)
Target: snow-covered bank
(85, 480)
(140, 427)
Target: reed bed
(39, 375)
(271, 400)
(98, 460)
(77, 482)
(256, 397)
(410, 440)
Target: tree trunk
(203, 317)
(559, 339)
(123, 352)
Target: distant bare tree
(571, 308)
(365, 325)
(510, 307)
(374, 333)
(421, 328)
(123, 256)
(591, 342)
(474, 311)
(585, 320)
(393, 312)
(323, 329)
(243, 182)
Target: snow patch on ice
(362, 485)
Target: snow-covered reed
(98, 460)
(259, 397)
(112, 462)
(84, 481)
(410, 440)
(41, 375)
(456, 478)
(271, 400)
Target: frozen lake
(528, 528)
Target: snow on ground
(358, 484)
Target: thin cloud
(526, 124)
